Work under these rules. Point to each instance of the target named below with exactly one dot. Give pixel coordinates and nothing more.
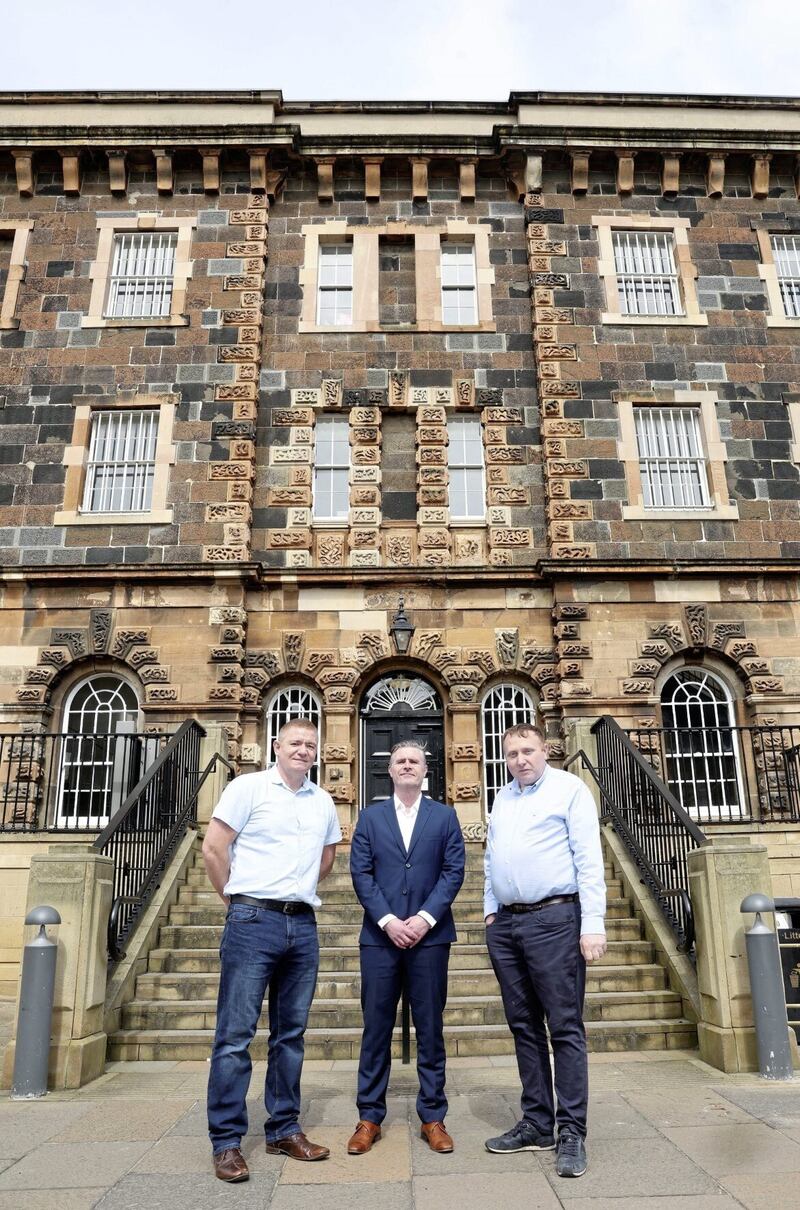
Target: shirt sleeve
(334, 832)
(384, 920)
(235, 805)
(587, 854)
(426, 916)
(490, 903)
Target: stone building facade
(405, 362)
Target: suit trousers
(384, 969)
(542, 975)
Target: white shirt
(406, 819)
(280, 835)
(544, 840)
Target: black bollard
(32, 1051)
(766, 990)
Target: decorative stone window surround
(18, 230)
(366, 274)
(77, 452)
(713, 445)
(768, 272)
(687, 273)
(100, 269)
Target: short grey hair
(409, 743)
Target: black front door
(384, 727)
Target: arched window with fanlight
(100, 754)
(701, 751)
(503, 706)
(293, 701)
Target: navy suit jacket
(426, 878)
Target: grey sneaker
(522, 1137)
(571, 1155)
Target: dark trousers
(383, 970)
(261, 949)
(542, 975)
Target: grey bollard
(766, 990)
(32, 1052)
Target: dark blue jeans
(261, 948)
(542, 975)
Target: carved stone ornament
(633, 687)
(268, 660)
(100, 630)
(696, 624)
(73, 640)
(374, 642)
(467, 791)
(507, 646)
(330, 550)
(724, 631)
(125, 639)
(315, 661)
(293, 644)
(467, 752)
(426, 641)
(399, 550)
(670, 631)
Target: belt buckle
(288, 908)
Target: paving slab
(476, 1192)
(469, 1156)
(738, 1148)
(764, 1192)
(688, 1105)
(187, 1192)
(124, 1121)
(649, 1167)
(704, 1201)
(72, 1165)
(777, 1105)
(68, 1199)
(24, 1125)
(387, 1161)
(383, 1196)
(612, 1117)
(341, 1110)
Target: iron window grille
(459, 284)
(504, 706)
(647, 278)
(142, 272)
(121, 464)
(335, 285)
(465, 462)
(701, 751)
(672, 461)
(786, 254)
(294, 701)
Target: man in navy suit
(407, 862)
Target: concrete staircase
(628, 1003)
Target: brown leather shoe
(298, 1147)
(436, 1137)
(230, 1166)
(363, 1137)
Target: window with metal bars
(142, 272)
(121, 464)
(459, 284)
(293, 701)
(672, 461)
(467, 486)
(504, 706)
(335, 285)
(786, 254)
(332, 469)
(647, 278)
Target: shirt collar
(401, 806)
(521, 790)
(275, 778)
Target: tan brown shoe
(436, 1137)
(298, 1147)
(230, 1166)
(363, 1137)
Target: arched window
(503, 706)
(701, 752)
(100, 759)
(293, 701)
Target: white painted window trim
(100, 269)
(606, 224)
(768, 272)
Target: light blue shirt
(544, 840)
(280, 835)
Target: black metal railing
(727, 774)
(70, 782)
(143, 835)
(652, 824)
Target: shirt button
(405, 892)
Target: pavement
(665, 1131)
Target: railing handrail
(649, 773)
(131, 801)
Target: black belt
(542, 903)
(289, 907)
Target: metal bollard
(766, 989)
(32, 1051)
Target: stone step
(345, 899)
(335, 985)
(346, 1013)
(603, 1036)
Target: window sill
(467, 523)
(162, 321)
(329, 523)
(161, 516)
(389, 329)
(655, 321)
(782, 321)
(722, 512)
(9, 325)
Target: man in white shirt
(544, 904)
(272, 838)
(407, 862)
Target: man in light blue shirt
(544, 904)
(271, 839)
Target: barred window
(335, 285)
(121, 464)
(142, 272)
(459, 284)
(293, 701)
(467, 488)
(647, 278)
(504, 706)
(786, 254)
(672, 461)
(332, 469)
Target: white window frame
(768, 271)
(647, 275)
(672, 461)
(288, 702)
(503, 706)
(340, 256)
(142, 275)
(100, 271)
(321, 511)
(458, 462)
(459, 280)
(607, 225)
(91, 765)
(122, 448)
